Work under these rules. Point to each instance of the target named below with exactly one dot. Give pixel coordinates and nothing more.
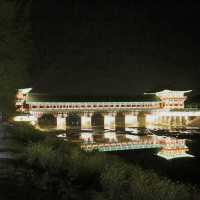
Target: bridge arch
(73, 121)
(47, 121)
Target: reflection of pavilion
(174, 148)
(169, 147)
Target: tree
(15, 52)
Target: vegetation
(15, 52)
(51, 168)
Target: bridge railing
(187, 109)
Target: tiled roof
(34, 97)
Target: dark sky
(115, 47)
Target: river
(181, 169)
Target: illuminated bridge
(135, 111)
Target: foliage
(25, 133)
(15, 52)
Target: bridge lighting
(169, 156)
(131, 121)
(86, 122)
(111, 136)
(86, 137)
(26, 118)
(109, 122)
(132, 137)
(61, 123)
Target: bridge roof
(35, 97)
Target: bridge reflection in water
(167, 147)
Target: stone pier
(86, 121)
(61, 122)
(109, 121)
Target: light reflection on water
(181, 169)
(162, 138)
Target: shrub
(26, 133)
(41, 155)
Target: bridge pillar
(131, 121)
(165, 120)
(178, 120)
(186, 119)
(86, 121)
(61, 122)
(168, 120)
(109, 121)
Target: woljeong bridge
(165, 107)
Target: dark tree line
(15, 50)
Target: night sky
(116, 47)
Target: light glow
(61, 123)
(111, 136)
(86, 123)
(109, 122)
(26, 118)
(131, 121)
(87, 137)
